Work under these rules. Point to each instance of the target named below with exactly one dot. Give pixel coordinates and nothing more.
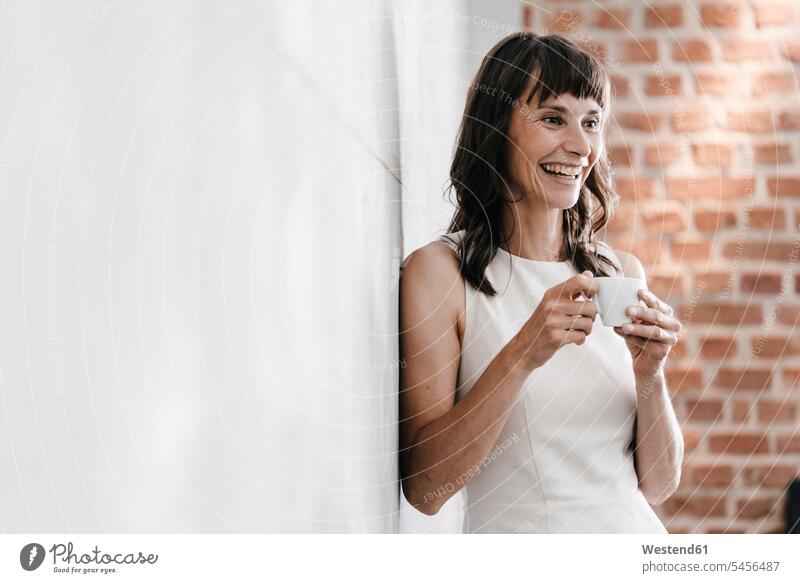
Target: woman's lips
(566, 180)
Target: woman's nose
(577, 142)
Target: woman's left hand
(651, 336)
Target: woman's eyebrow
(562, 109)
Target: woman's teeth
(560, 170)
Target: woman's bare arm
(658, 451)
(443, 443)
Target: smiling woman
(553, 421)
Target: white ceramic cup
(614, 295)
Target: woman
(511, 387)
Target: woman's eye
(554, 119)
(592, 124)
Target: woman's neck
(533, 233)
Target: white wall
(201, 226)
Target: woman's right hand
(560, 318)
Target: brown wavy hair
(544, 66)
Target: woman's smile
(566, 174)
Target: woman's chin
(565, 200)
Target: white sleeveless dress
(563, 463)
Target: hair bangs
(563, 68)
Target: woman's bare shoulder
(629, 264)
(433, 268)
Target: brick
(716, 155)
(666, 15)
(620, 155)
(791, 378)
(744, 379)
(647, 250)
(712, 188)
(698, 505)
(771, 476)
(613, 18)
(691, 439)
(772, 83)
(564, 20)
(667, 219)
(639, 120)
(761, 283)
(691, 249)
(635, 188)
(692, 119)
(791, 49)
(773, 154)
(595, 49)
(718, 347)
(712, 282)
(623, 220)
(749, 120)
(640, 51)
(738, 49)
(770, 411)
(621, 86)
(667, 286)
(789, 120)
(788, 313)
(703, 409)
(772, 13)
(788, 443)
(663, 154)
(663, 85)
(714, 220)
(770, 218)
(756, 507)
(692, 51)
(743, 442)
(680, 349)
(683, 379)
(719, 84)
(740, 410)
(775, 346)
(713, 475)
(722, 14)
(758, 250)
(784, 186)
(527, 17)
(727, 313)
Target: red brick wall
(705, 142)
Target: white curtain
(202, 222)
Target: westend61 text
(675, 550)
(67, 556)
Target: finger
(651, 300)
(653, 316)
(653, 348)
(581, 323)
(655, 333)
(578, 308)
(573, 337)
(582, 283)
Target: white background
(202, 224)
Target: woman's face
(554, 146)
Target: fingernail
(627, 328)
(632, 311)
